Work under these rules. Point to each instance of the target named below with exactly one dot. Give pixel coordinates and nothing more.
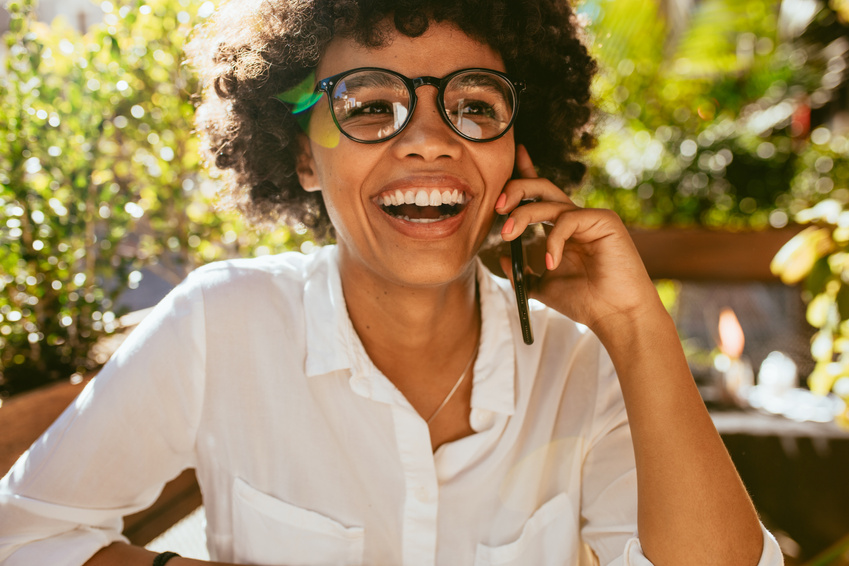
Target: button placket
(422, 494)
(422, 488)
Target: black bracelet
(161, 559)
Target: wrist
(635, 328)
(647, 350)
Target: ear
(305, 165)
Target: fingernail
(549, 261)
(502, 200)
(508, 226)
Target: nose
(427, 136)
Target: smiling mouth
(423, 206)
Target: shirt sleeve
(770, 556)
(609, 489)
(129, 432)
(609, 475)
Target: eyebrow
(485, 81)
(369, 79)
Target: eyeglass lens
(371, 105)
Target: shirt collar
(327, 323)
(331, 345)
(495, 367)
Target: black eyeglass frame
(327, 85)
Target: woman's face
(410, 245)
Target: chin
(436, 272)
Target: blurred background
(722, 141)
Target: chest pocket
(270, 532)
(548, 538)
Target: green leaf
(843, 302)
(818, 276)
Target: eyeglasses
(371, 105)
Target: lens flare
(320, 128)
(302, 99)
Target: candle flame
(731, 338)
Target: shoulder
(253, 285)
(286, 273)
(287, 266)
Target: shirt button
(481, 418)
(361, 385)
(422, 494)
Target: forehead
(442, 49)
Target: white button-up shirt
(251, 372)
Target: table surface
(754, 423)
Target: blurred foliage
(99, 178)
(818, 257)
(669, 291)
(706, 119)
(732, 114)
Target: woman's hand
(594, 274)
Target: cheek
(499, 167)
(345, 169)
(342, 174)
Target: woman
(374, 403)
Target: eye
(472, 109)
(370, 108)
(376, 107)
(476, 108)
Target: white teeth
(424, 220)
(421, 197)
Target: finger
(519, 190)
(527, 185)
(533, 213)
(556, 239)
(524, 165)
(581, 226)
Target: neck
(411, 332)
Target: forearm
(120, 554)
(692, 505)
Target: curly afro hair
(252, 50)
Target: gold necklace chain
(456, 386)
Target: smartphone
(517, 254)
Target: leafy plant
(702, 119)
(819, 257)
(99, 177)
